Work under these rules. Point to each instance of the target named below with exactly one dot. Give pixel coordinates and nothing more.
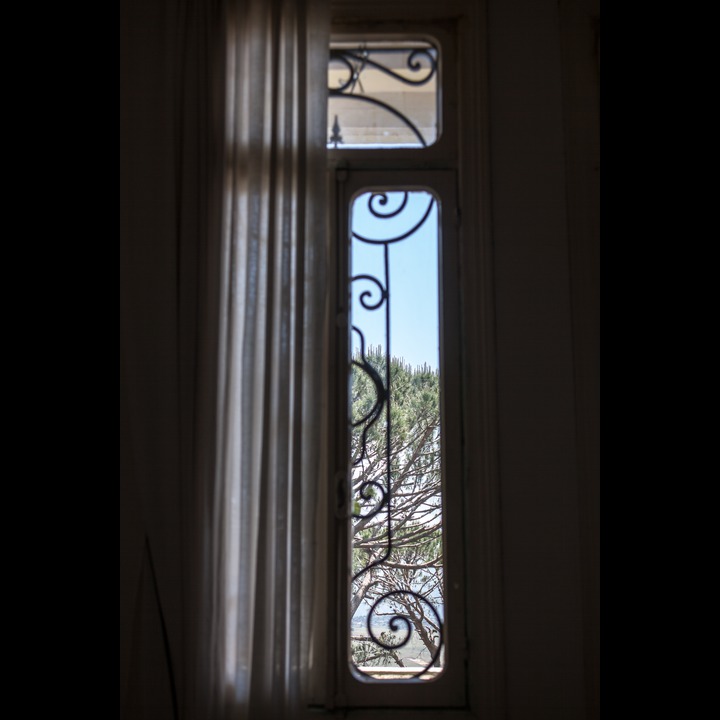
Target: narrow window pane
(397, 588)
(382, 95)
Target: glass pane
(397, 588)
(382, 95)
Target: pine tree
(396, 554)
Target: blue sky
(413, 278)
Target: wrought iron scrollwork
(421, 61)
(377, 491)
(357, 60)
(372, 415)
(398, 622)
(383, 199)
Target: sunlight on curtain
(266, 492)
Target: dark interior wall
(149, 381)
(543, 126)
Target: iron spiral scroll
(421, 62)
(377, 490)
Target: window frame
(459, 28)
(443, 152)
(351, 172)
(448, 689)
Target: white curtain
(266, 491)
(223, 252)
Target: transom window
(383, 94)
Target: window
(400, 595)
(383, 94)
(397, 593)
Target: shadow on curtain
(223, 247)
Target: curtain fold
(223, 279)
(270, 407)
